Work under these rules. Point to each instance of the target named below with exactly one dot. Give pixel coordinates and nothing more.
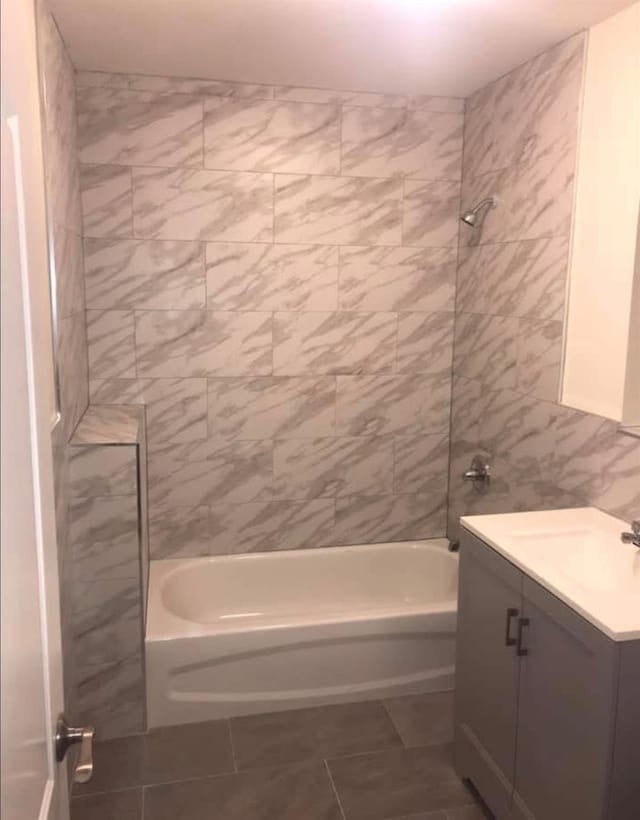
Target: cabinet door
(565, 713)
(489, 603)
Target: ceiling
(446, 47)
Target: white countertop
(577, 555)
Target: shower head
(473, 216)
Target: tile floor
(380, 760)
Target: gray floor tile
(189, 751)
(423, 720)
(301, 792)
(117, 764)
(307, 734)
(468, 813)
(397, 783)
(123, 805)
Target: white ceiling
(447, 47)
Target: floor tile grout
(335, 790)
(233, 751)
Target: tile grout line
(233, 751)
(335, 790)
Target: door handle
(511, 614)
(67, 736)
(520, 650)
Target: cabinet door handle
(520, 650)
(511, 614)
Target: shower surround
(271, 272)
(520, 145)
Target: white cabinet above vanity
(601, 372)
(547, 723)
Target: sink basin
(577, 554)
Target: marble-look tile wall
(66, 258)
(271, 272)
(519, 145)
(109, 561)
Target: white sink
(577, 554)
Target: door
(566, 709)
(486, 698)
(33, 785)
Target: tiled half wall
(271, 272)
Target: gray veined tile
(465, 397)
(379, 142)
(374, 519)
(421, 463)
(203, 343)
(595, 461)
(336, 342)
(514, 279)
(176, 408)
(431, 213)
(123, 127)
(103, 471)
(111, 697)
(271, 135)
(337, 210)
(443, 105)
(517, 427)
(110, 335)
(200, 87)
(101, 79)
(103, 537)
(202, 204)
(107, 621)
(539, 358)
(267, 407)
(400, 279)
(210, 472)
(530, 113)
(535, 200)
(485, 349)
(425, 342)
(328, 467)
(106, 193)
(72, 369)
(272, 525)
(69, 282)
(107, 424)
(63, 183)
(178, 532)
(144, 274)
(331, 96)
(380, 404)
(59, 81)
(271, 277)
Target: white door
(33, 786)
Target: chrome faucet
(632, 537)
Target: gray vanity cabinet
(567, 692)
(547, 723)
(487, 672)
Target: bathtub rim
(164, 625)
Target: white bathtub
(242, 634)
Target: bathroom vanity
(547, 722)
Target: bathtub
(242, 634)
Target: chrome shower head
(473, 215)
